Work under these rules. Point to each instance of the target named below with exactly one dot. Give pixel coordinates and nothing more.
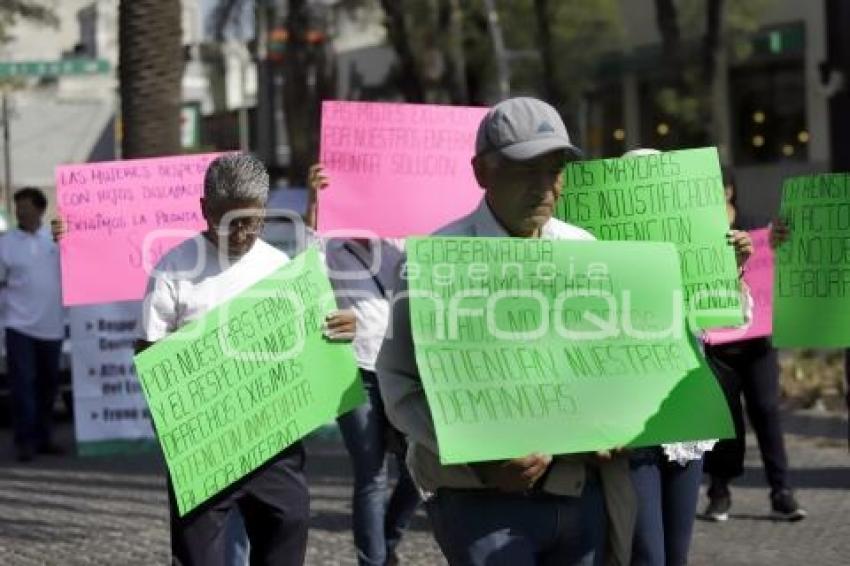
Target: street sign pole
(7, 161)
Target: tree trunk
(713, 33)
(296, 93)
(411, 82)
(667, 18)
(451, 20)
(553, 91)
(503, 68)
(150, 69)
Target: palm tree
(150, 68)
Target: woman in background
(749, 367)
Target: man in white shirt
(192, 279)
(532, 510)
(33, 320)
(364, 275)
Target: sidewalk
(112, 510)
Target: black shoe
(784, 507)
(718, 507)
(51, 449)
(25, 454)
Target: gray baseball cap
(523, 128)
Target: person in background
(189, 281)
(363, 274)
(537, 509)
(667, 477)
(33, 318)
(749, 367)
(847, 390)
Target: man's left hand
(340, 326)
(742, 243)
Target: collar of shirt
(487, 224)
(43, 233)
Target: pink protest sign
(121, 217)
(397, 170)
(759, 277)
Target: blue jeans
(236, 545)
(488, 528)
(667, 496)
(33, 378)
(378, 524)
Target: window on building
(606, 134)
(767, 94)
(671, 118)
(768, 113)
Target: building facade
(765, 108)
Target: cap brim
(524, 151)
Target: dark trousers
(378, 524)
(275, 507)
(488, 528)
(750, 368)
(847, 389)
(667, 495)
(33, 378)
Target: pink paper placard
(397, 169)
(759, 277)
(121, 217)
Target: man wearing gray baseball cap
(538, 509)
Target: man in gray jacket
(532, 510)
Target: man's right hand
(516, 475)
(316, 178)
(58, 228)
(316, 181)
(779, 233)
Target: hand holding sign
(228, 392)
(812, 288)
(514, 476)
(674, 197)
(521, 340)
(121, 217)
(397, 169)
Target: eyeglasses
(247, 224)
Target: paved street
(112, 510)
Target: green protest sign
(528, 345)
(673, 197)
(230, 391)
(811, 298)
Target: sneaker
(718, 507)
(785, 508)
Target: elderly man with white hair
(192, 279)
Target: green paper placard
(674, 197)
(528, 345)
(230, 391)
(811, 296)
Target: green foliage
(11, 11)
(688, 100)
(581, 31)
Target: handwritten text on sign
(812, 286)
(230, 391)
(521, 340)
(397, 169)
(121, 217)
(672, 197)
